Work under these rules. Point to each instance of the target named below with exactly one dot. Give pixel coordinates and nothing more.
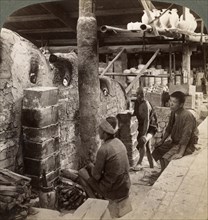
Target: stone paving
(181, 190)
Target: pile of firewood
(70, 196)
(15, 192)
(70, 193)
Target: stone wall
(68, 113)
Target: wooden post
(88, 80)
(170, 64)
(186, 63)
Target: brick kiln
(25, 68)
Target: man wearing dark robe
(182, 128)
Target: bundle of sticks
(70, 196)
(15, 192)
(70, 193)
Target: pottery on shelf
(173, 18)
(164, 19)
(189, 24)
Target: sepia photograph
(103, 109)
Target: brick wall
(41, 133)
(163, 114)
(68, 114)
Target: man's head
(108, 127)
(177, 100)
(140, 94)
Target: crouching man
(182, 128)
(109, 175)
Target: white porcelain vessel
(164, 19)
(189, 24)
(173, 18)
(145, 18)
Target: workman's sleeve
(146, 111)
(135, 108)
(99, 163)
(170, 123)
(187, 131)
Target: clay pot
(145, 18)
(173, 18)
(164, 19)
(155, 14)
(189, 24)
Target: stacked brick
(127, 133)
(41, 133)
(189, 90)
(163, 114)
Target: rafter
(45, 30)
(26, 18)
(61, 15)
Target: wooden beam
(115, 49)
(59, 41)
(45, 30)
(61, 15)
(112, 12)
(111, 63)
(27, 18)
(141, 71)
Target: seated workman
(109, 175)
(182, 128)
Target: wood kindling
(141, 72)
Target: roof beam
(45, 30)
(27, 18)
(61, 15)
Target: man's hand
(89, 167)
(176, 156)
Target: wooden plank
(97, 209)
(91, 209)
(111, 63)
(120, 74)
(26, 18)
(45, 30)
(114, 49)
(142, 71)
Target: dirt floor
(141, 183)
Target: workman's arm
(146, 112)
(98, 169)
(189, 125)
